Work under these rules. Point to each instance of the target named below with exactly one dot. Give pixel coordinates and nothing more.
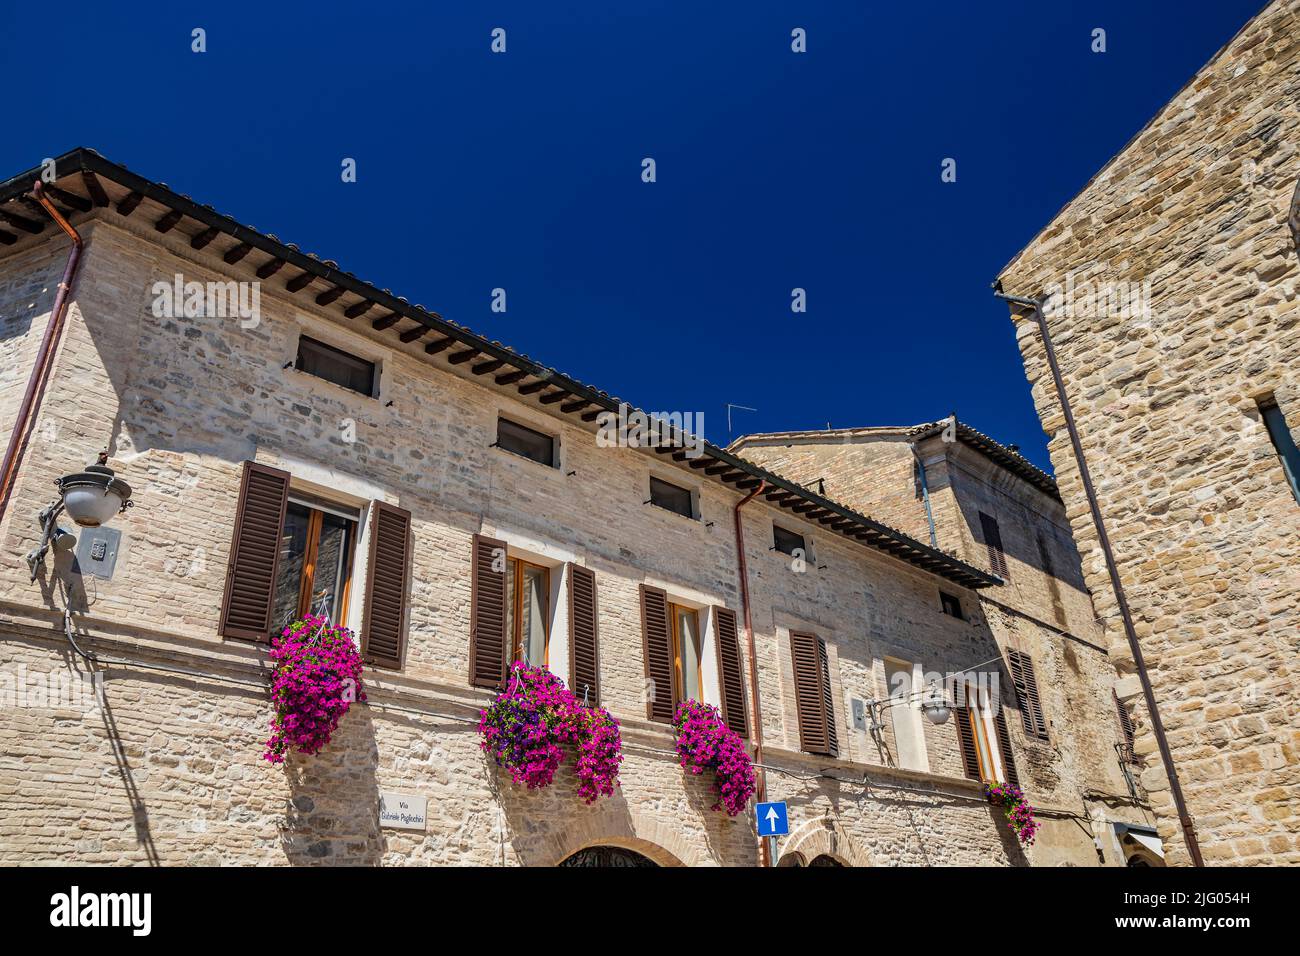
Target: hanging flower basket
(1019, 814)
(532, 723)
(317, 677)
(704, 742)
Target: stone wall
(170, 767)
(1205, 530)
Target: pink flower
(317, 676)
(704, 742)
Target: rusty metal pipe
(40, 375)
(756, 713)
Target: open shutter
(1004, 747)
(970, 759)
(1126, 730)
(993, 541)
(388, 571)
(487, 614)
(657, 646)
(813, 695)
(733, 687)
(1025, 683)
(249, 600)
(584, 658)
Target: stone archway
(606, 856)
(645, 836)
(821, 842)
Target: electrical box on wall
(859, 713)
(97, 550)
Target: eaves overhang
(77, 187)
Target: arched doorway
(606, 856)
(821, 859)
(824, 860)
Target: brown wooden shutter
(993, 541)
(1004, 745)
(657, 647)
(487, 614)
(1027, 699)
(584, 657)
(249, 600)
(813, 694)
(388, 572)
(729, 677)
(1126, 730)
(970, 759)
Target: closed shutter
(993, 541)
(1126, 730)
(657, 647)
(387, 574)
(813, 695)
(1026, 686)
(1004, 745)
(970, 759)
(249, 600)
(584, 658)
(487, 614)
(733, 687)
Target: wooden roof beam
(202, 239)
(269, 268)
(299, 283)
(169, 220)
(238, 252)
(433, 348)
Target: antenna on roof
(744, 408)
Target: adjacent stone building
(296, 438)
(1171, 283)
(946, 483)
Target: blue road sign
(772, 819)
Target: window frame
(944, 598)
(516, 622)
(1279, 434)
(692, 512)
(317, 509)
(328, 348)
(679, 676)
(778, 530)
(985, 730)
(554, 461)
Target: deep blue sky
(523, 171)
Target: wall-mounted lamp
(936, 706)
(91, 498)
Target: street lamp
(91, 497)
(936, 705)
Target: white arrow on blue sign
(772, 819)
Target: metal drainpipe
(755, 711)
(925, 495)
(44, 358)
(1157, 725)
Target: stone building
(296, 438)
(1170, 300)
(948, 484)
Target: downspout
(1157, 725)
(756, 713)
(36, 382)
(925, 495)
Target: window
(1287, 452)
(526, 442)
(672, 498)
(1127, 734)
(993, 541)
(982, 736)
(686, 653)
(335, 365)
(528, 598)
(315, 561)
(787, 542)
(951, 606)
(814, 701)
(905, 713)
(1026, 686)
